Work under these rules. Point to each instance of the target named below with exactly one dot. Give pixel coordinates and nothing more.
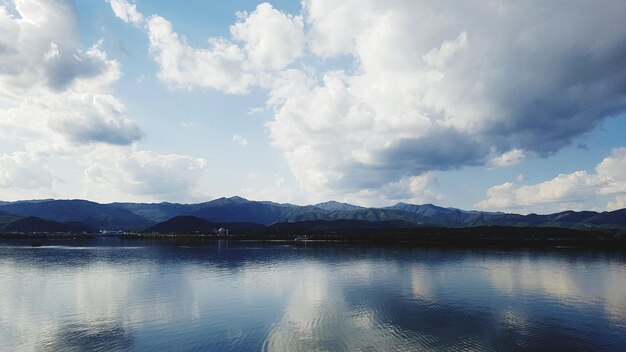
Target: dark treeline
(486, 235)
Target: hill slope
(192, 224)
(35, 224)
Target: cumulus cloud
(41, 49)
(105, 121)
(126, 12)
(27, 44)
(272, 39)
(509, 158)
(69, 118)
(263, 41)
(333, 32)
(485, 83)
(113, 173)
(220, 67)
(611, 171)
(468, 83)
(55, 93)
(607, 183)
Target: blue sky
(489, 105)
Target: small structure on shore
(301, 238)
(222, 231)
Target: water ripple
(282, 298)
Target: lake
(111, 294)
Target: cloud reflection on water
(317, 299)
(566, 284)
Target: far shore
(470, 236)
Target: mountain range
(82, 214)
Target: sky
(486, 104)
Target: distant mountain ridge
(96, 215)
(139, 216)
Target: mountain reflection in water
(116, 295)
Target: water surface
(116, 295)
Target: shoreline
(510, 237)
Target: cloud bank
(566, 191)
(54, 89)
(469, 85)
(423, 86)
(114, 172)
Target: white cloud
(607, 183)
(56, 94)
(272, 39)
(105, 122)
(36, 35)
(40, 50)
(69, 118)
(241, 140)
(114, 173)
(221, 66)
(264, 40)
(612, 171)
(509, 158)
(23, 175)
(333, 26)
(126, 12)
(22, 170)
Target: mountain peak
(237, 198)
(230, 200)
(333, 205)
(409, 205)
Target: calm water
(114, 295)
